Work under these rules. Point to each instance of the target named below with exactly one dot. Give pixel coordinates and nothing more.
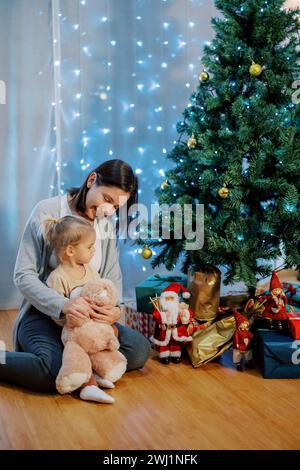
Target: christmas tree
(238, 150)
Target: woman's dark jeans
(39, 363)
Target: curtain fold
(26, 126)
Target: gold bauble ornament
(165, 184)
(203, 77)
(224, 192)
(146, 252)
(192, 142)
(298, 21)
(255, 69)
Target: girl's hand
(79, 307)
(106, 313)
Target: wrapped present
(140, 321)
(294, 325)
(277, 354)
(153, 286)
(294, 321)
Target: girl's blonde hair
(68, 230)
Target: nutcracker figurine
(242, 338)
(172, 318)
(275, 307)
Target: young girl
(37, 356)
(73, 240)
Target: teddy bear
(90, 345)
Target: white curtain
(26, 125)
(86, 81)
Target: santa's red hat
(239, 318)
(177, 288)
(275, 283)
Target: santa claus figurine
(242, 337)
(275, 306)
(172, 318)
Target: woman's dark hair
(110, 173)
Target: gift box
(155, 284)
(140, 321)
(294, 322)
(278, 355)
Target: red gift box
(294, 321)
(140, 321)
(294, 324)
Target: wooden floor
(159, 407)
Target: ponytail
(49, 227)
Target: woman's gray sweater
(32, 264)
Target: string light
(130, 100)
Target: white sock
(93, 393)
(103, 382)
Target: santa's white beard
(278, 300)
(171, 307)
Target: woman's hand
(79, 307)
(106, 313)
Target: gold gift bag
(204, 287)
(212, 341)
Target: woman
(37, 338)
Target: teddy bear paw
(71, 382)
